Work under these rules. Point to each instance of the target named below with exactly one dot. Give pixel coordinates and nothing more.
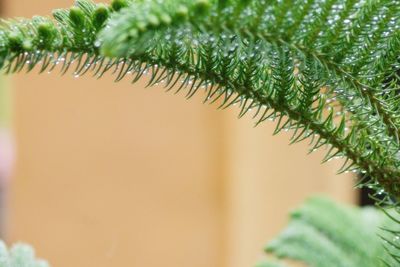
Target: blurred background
(112, 174)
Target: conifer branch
(280, 83)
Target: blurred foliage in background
(323, 233)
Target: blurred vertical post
(6, 150)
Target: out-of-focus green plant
(323, 233)
(19, 255)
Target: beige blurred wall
(117, 175)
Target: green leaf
(19, 255)
(323, 233)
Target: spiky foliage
(19, 255)
(325, 69)
(319, 69)
(352, 240)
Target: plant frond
(322, 233)
(19, 255)
(176, 43)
